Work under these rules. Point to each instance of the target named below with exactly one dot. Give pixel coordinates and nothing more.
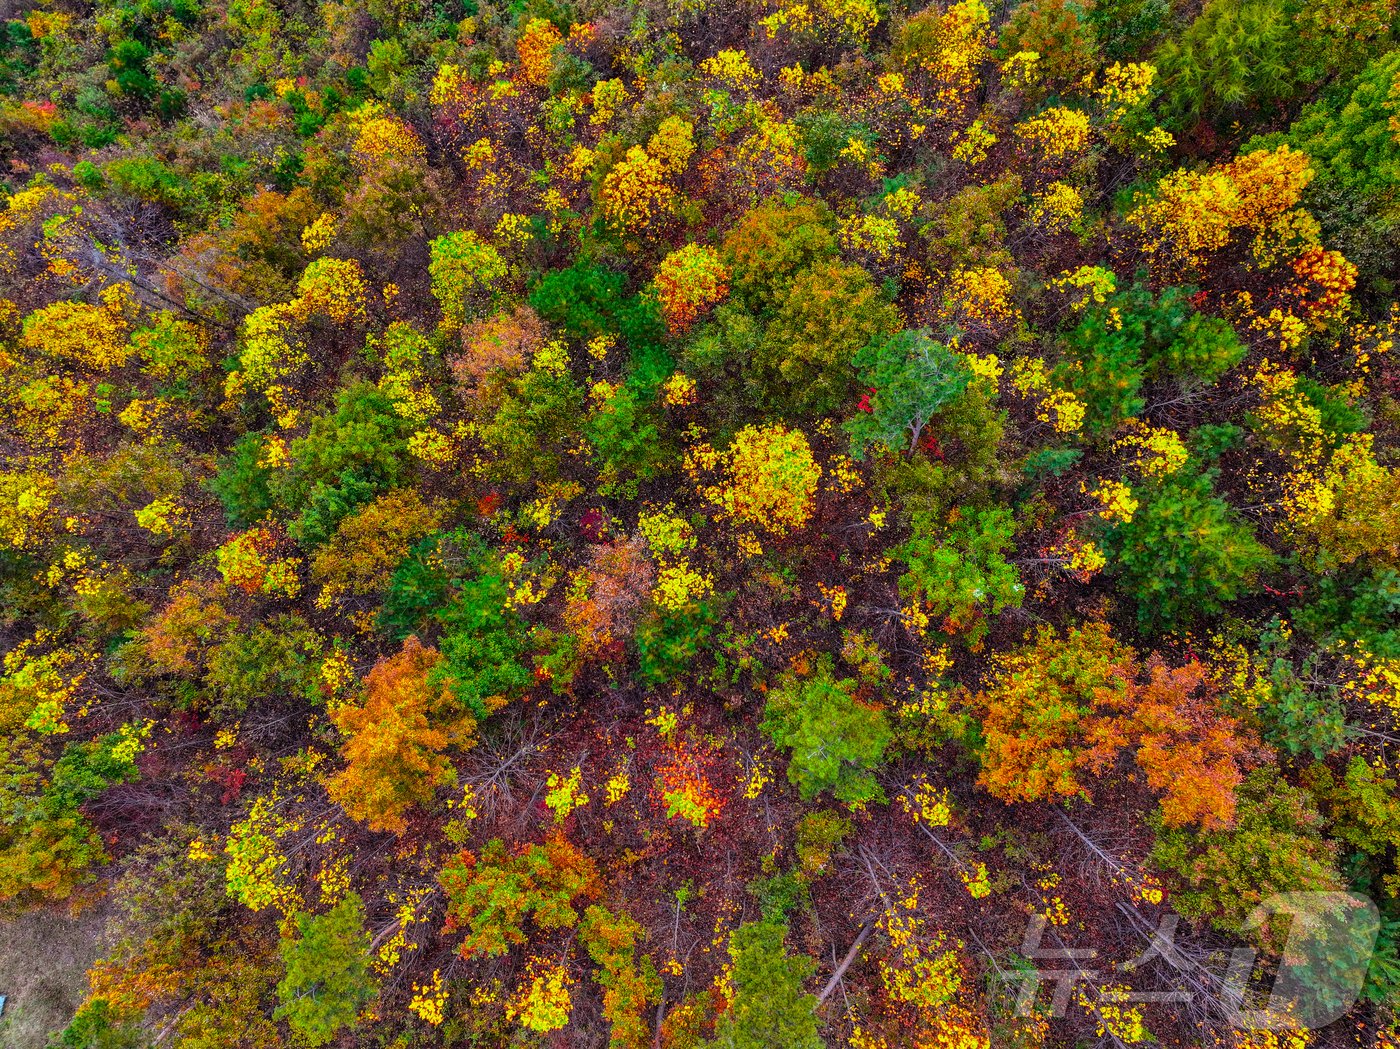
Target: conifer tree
(327, 979)
(770, 1011)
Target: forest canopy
(670, 525)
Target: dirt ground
(44, 957)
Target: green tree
(98, 1026)
(668, 642)
(1357, 602)
(422, 583)
(242, 483)
(1205, 347)
(1185, 553)
(360, 447)
(1126, 29)
(1349, 138)
(532, 426)
(148, 179)
(584, 301)
(723, 340)
(1116, 347)
(825, 133)
(1109, 354)
(1364, 815)
(1297, 716)
(587, 300)
(769, 1011)
(328, 980)
(957, 570)
(482, 644)
(625, 437)
(1105, 372)
(836, 741)
(278, 657)
(963, 470)
(912, 377)
(1237, 55)
(1276, 845)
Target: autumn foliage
(1068, 707)
(677, 525)
(394, 750)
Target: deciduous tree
(396, 739)
(492, 896)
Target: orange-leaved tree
(688, 282)
(397, 736)
(1067, 706)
